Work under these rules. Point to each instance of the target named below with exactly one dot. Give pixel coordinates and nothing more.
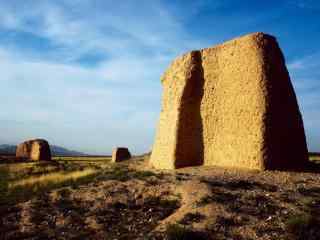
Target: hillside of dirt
(130, 201)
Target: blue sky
(85, 73)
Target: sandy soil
(210, 203)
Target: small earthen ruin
(35, 150)
(120, 154)
(232, 105)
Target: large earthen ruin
(35, 150)
(232, 105)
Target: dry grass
(21, 181)
(84, 158)
(52, 178)
(23, 170)
(99, 199)
(314, 157)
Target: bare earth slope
(128, 201)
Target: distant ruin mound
(8, 149)
(120, 154)
(35, 150)
(232, 105)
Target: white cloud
(74, 101)
(304, 63)
(114, 29)
(296, 65)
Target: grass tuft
(181, 232)
(302, 227)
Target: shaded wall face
(164, 151)
(233, 105)
(284, 135)
(189, 146)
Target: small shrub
(169, 203)
(192, 218)
(165, 203)
(179, 232)
(176, 232)
(64, 193)
(303, 227)
(119, 174)
(204, 201)
(141, 175)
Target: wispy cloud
(307, 62)
(306, 4)
(82, 26)
(56, 98)
(305, 74)
(89, 108)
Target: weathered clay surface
(119, 154)
(35, 150)
(231, 105)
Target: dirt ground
(130, 201)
